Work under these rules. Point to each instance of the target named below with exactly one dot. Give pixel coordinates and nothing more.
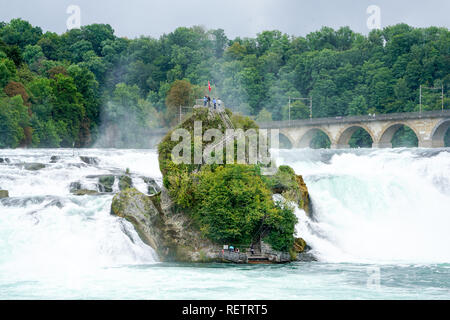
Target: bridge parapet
(355, 119)
(430, 128)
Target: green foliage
(344, 72)
(298, 111)
(229, 203)
(233, 203)
(7, 72)
(282, 227)
(264, 116)
(13, 119)
(320, 141)
(360, 139)
(404, 137)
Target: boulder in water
(299, 245)
(34, 166)
(125, 182)
(54, 159)
(74, 186)
(4, 194)
(171, 233)
(89, 160)
(152, 186)
(105, 183)
(83, 192)
(306, 257)
(138, 209)
(5, 160)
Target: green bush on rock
(229, 203)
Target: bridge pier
(339, 146)
(426, 144)
(380, 145)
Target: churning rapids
(381, 229)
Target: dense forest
(88, 85)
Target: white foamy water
(383, 208)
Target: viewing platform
(263, 255)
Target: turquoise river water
(381, 230)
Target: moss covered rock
(306, 200)
(138, 209)
(203, 206)
(125, 182)
(89, 160)
(33, 166)
(84, 192)
(162, 227)
(4, 194)
(299, 245)
(229, 203)
(106, 183)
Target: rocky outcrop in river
(169, 232)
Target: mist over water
(380, 206)
(386, 207)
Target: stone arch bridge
(430, 128)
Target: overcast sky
(132, 18)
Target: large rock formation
(160, 226)
(205, 206)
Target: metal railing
(352, 119)
(200, 102)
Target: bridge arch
(388, 132)
(285, 141)
(438, 133)
(286, 136)
(347, 133)
(306, 139)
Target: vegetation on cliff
(72, 85)
(229, 203)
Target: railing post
(420, 99)
(289, 111)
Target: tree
(298, 110)
(6, 74)
(96, 34)
(358, 106)
(32, 55)
(21, 33)
(13, 119)
(264, 116)
(220, 42)
(68, 107)
(180, 94)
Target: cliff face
(170, 233)
(174, 235)
(305, 199)
(204, 206)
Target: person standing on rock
(219, 103)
